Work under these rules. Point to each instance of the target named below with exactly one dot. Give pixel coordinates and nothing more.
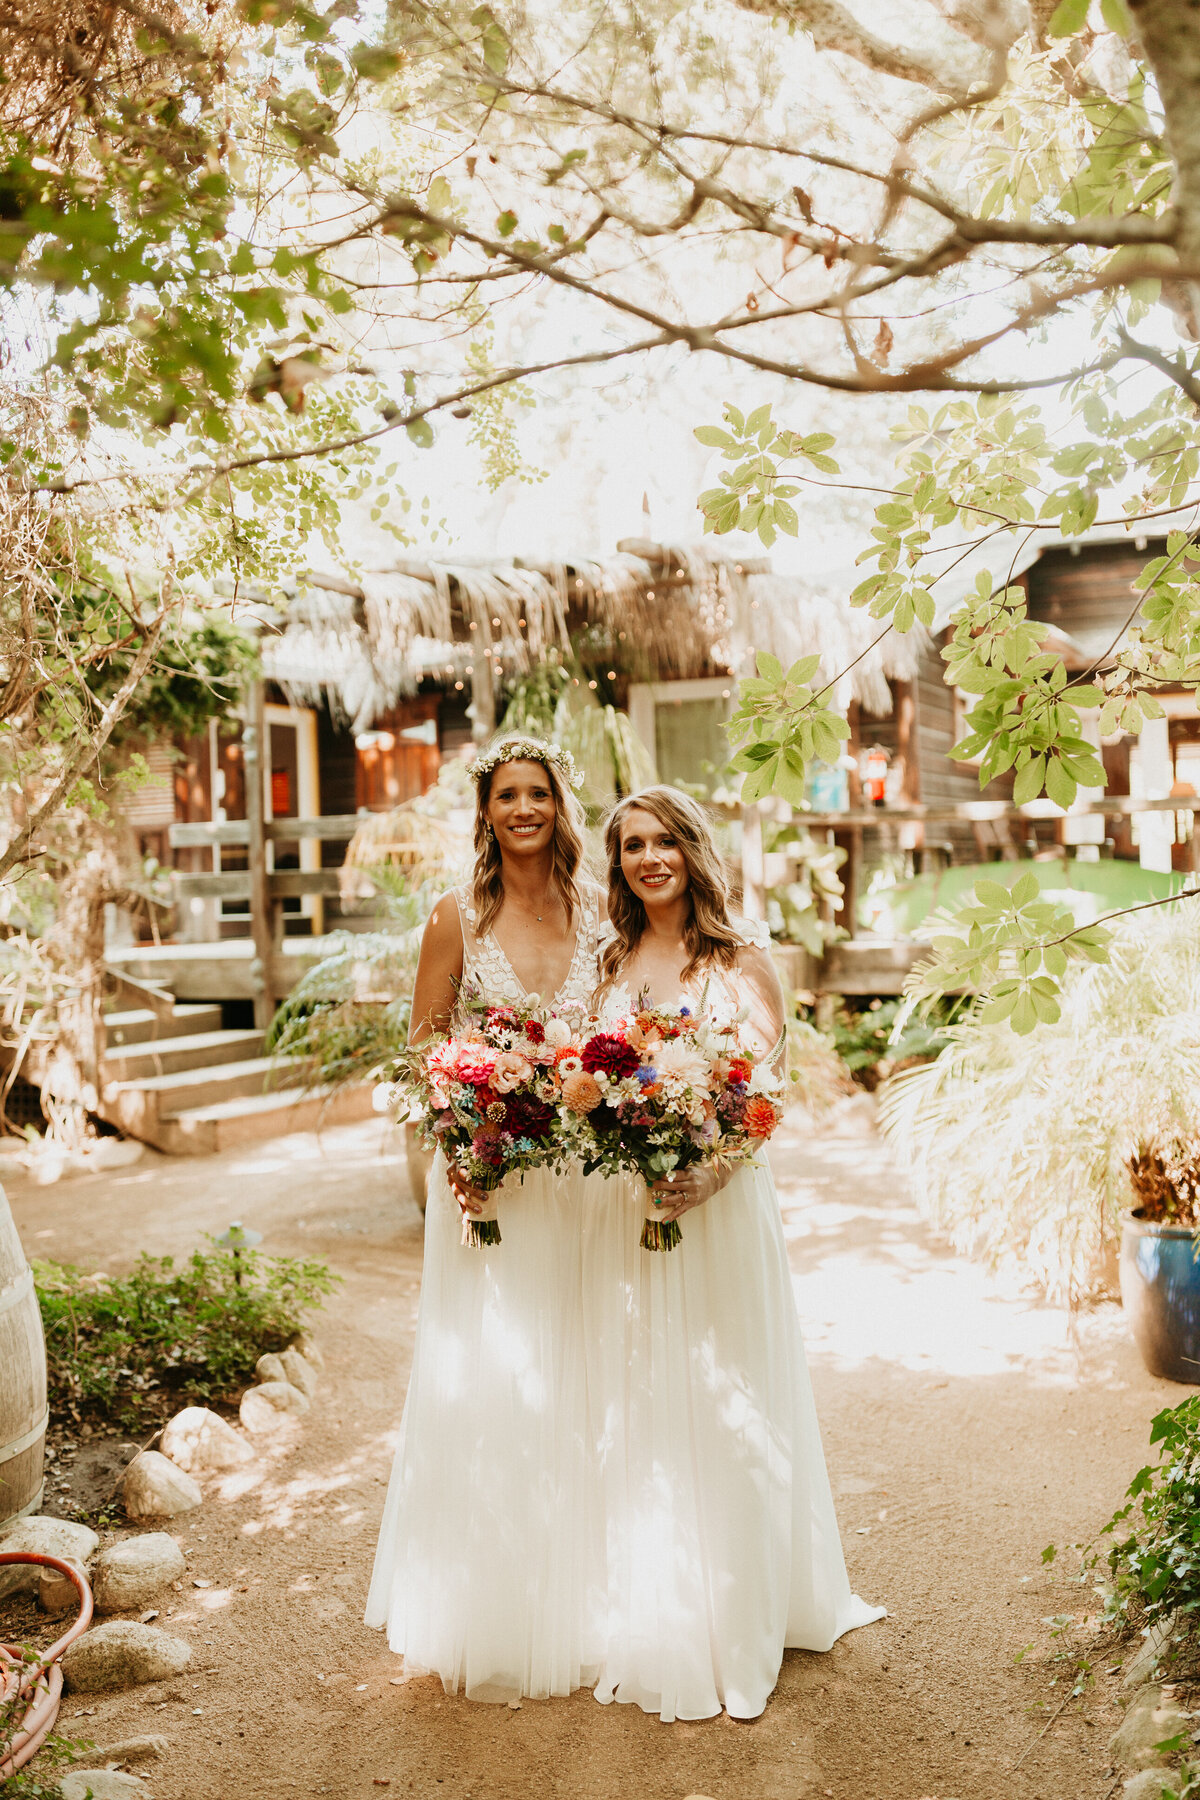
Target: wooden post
(754, 886)
(261, 923)
(483, 693)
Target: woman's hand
(470, 1198)
(687, 1188)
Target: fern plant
(1018, 1147)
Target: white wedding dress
(722, 1545)
(609, 1469)
(489, 1570)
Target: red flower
(612, 1054)
(526, 1116)
(739, 1071)
(535, 1031)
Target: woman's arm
(761, 991)
(439, 971)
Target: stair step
(138, 1025)
(203, 1130)
(169, 1055)
(167, 1095)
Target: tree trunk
(1170, 36)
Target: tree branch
(88, 749)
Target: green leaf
(1067, 18)
(420, 431)
(769, 667)
(715, 437)
(1060, 786)
(1116, 16)
(1029, 781)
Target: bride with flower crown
(609, 1470)
(488, 1570)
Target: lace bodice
(486, 967)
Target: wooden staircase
(175, 1078)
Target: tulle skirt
(721, 1543)
(489, 1566)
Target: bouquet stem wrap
(481, 1229)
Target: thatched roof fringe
(687, 608)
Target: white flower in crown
(527, 749)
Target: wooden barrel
(22, 1379)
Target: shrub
(1019, 1147)
(128, 1349)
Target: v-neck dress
(489, 1568)
(722, 1545)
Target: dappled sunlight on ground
(875, 1283)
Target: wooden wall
(1087, 588)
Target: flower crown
(527, 749)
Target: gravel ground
(965, 1425)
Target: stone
(1152, 1655)
(198, 1439)
(299, 1372)
(129, 1574)
(266, 1408)
(57, 1593)
(102, 1784)
(1151, 1784)
(309, 1349)
(269, 1368)
(1152, 1717)
(153, 1488)
(45, 1537)
(136, 1749)
(122, 1654)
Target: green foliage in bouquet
(129, 1349)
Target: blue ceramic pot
(1160, 1291)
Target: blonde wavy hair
(709, 933)
(567, 849)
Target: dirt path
(965, 1428)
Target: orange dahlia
(581, 1092)
(760, 1117)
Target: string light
(612, 675)
(591, 684)
(458, 686)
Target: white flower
(763, 1080)
(570, 1065)
(384, 1096)
(558, 1033)
(679, 1061)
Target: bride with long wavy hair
(722, 1543)
(487, 1569)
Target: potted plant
(1160, 1256)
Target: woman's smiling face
(651, 861)
(520, 807)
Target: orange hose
(39, 1682)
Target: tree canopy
(245, 245)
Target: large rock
(270, 1368)
(129, 1574)
(45, 1537)
(153, 1488)
(266, 1408)
(1152, 1656)
(57, 1593)
(198, 1439)
(309, 1349)
(299, 1371)
(1153, 1716)
(136, 1749)
(122, 1654)
(1151, 1784)
(102, 1784)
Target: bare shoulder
(443, 927)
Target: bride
(721, 1541)
(487, 1567)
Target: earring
(491, 835)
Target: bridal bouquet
(657, 1091)
(488, 1093)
